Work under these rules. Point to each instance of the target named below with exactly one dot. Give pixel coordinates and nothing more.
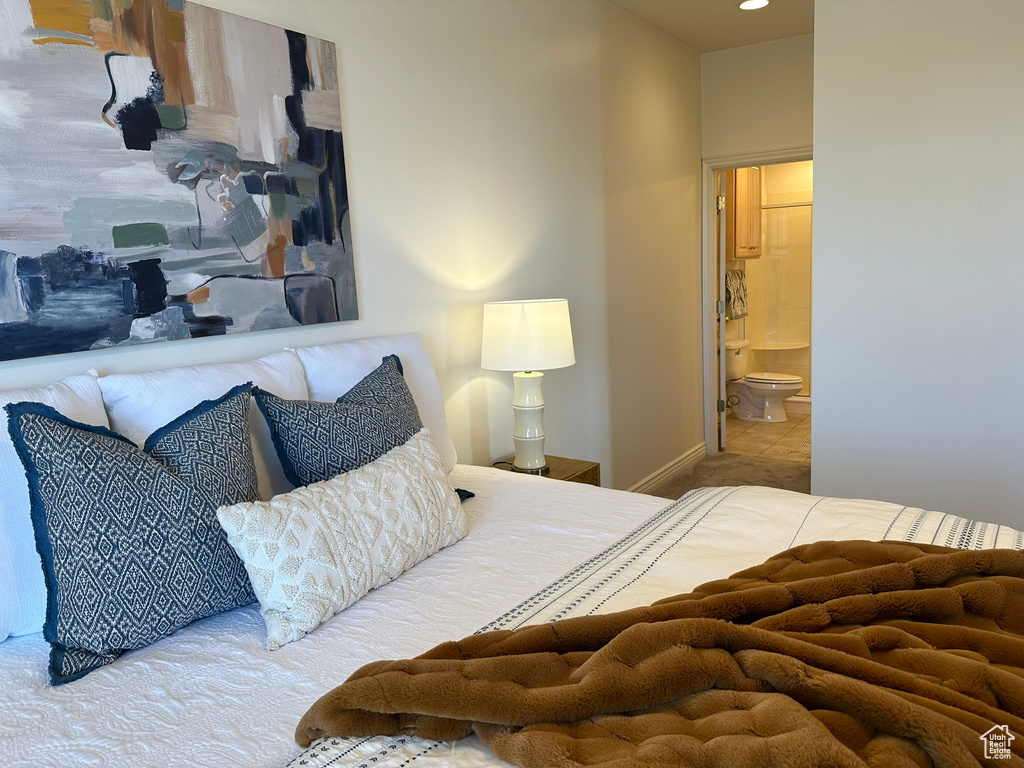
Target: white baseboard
(684, 463)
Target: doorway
(758, 266)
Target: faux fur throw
(837, 654)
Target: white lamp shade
(530, 335)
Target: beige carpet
(733, 469)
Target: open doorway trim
(710, 166)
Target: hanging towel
(735, 294)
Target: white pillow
(333, 369)
(22, 591)
(140, 403)
(314, 551)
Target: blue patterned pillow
(129, 538)
(317, 441)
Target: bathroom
(768, 389)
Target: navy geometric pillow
(129, 539)
(317, 441)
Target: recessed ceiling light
(752, 5)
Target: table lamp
(527, 337)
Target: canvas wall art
(167, 171)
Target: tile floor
(790, 440)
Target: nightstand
(573, 470)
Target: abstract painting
(167, 171)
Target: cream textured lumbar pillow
(316, 550)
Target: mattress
(537, 550)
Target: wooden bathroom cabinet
(743, 213)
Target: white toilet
(756, 396)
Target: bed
(537, 550)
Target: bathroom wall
(787, 183)
(779, 282)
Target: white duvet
(212, 695)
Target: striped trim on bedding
(918, 525)
(588, 586)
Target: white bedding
(211, 694)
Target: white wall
(917, 253)
(651, 119)
(476, 163)
(758, 98)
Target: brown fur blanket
(846, 653)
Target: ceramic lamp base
(528, 432)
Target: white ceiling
(711, 25)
